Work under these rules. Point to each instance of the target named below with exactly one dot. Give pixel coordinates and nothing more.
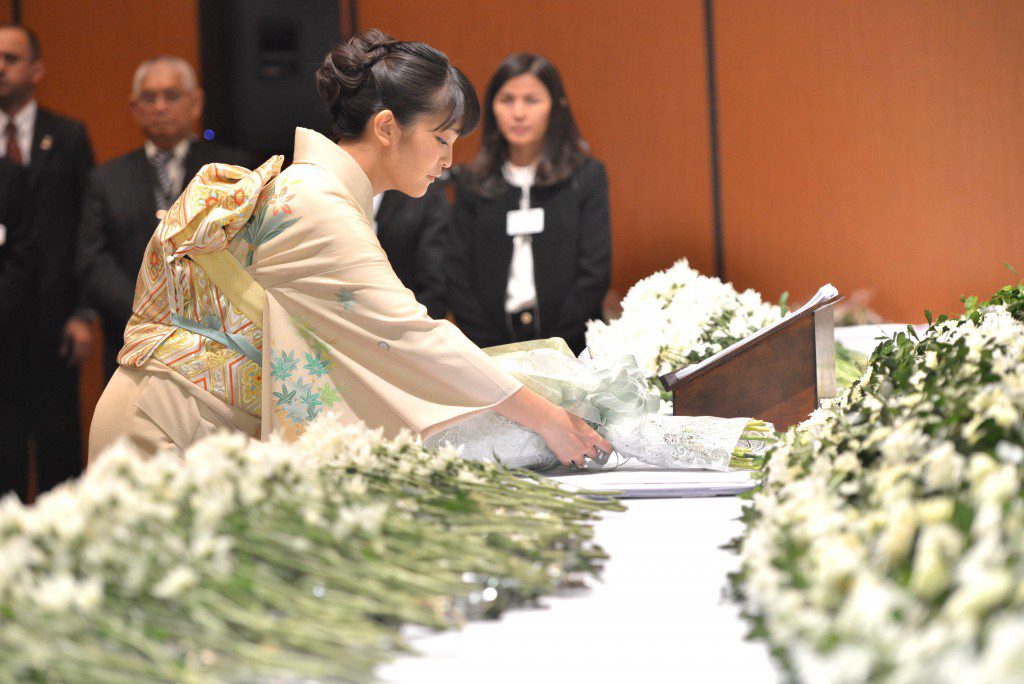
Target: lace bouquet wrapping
(616, 400)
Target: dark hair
(372, 72)
(564, 149)
(33, 40)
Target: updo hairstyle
(372, 72)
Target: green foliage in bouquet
(252, 561)
(886, 539)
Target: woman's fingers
(576, 442)
(577, 461)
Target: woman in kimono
(265, 299)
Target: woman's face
(420, 155)
(522, 108)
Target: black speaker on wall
(258, 58)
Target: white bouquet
(677, 317)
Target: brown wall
(872, 143)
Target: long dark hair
(372, 71)
(564, 149)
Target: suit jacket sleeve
(462, 292)
(18, 270)
(340, 325)
(593, 263)
(83, 162)
(104, 283)
(430, 254)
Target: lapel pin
(46, 143)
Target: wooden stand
(779, 376)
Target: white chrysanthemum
(938, 547)
(61, 592)
(672, 314)
(178, 580)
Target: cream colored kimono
(340, 332)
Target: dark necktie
(13, 149)
(165, 190)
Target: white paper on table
(637, 480)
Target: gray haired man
(126, 197)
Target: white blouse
(522, 290)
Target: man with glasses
(127, 197)
(55, 154)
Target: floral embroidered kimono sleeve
(342, 332)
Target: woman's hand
(572, 440)
(568, 436)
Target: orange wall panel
(874, 144)
(90, 51)
(636, 80)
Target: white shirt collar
(313, 148)
(519, 176)
(24, 120)
(179, 151)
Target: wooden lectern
(780, 374)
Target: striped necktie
(165, 189)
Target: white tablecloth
(657, 615)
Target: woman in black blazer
(516, 273)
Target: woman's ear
(385, 128)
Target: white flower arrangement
(677, 317)
(886, 540)
(266, 561)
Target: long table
(657, 615)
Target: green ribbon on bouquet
(617, 395)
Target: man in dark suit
(19, 259)
(58, 155)
(127, 196)
(412, 232)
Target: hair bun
(346, 68)
(368, 48)
(377, 51)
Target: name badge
(525, 222)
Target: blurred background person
(126, 197)
(58, 156)
(531, 240)
(18, 262)
(413, 232)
